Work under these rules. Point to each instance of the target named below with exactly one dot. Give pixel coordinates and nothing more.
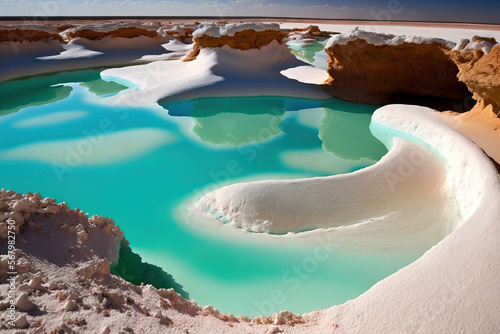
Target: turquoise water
(144, 166)
(313, 54)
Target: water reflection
(345, 131)
(233, 121)
(307, 52)
(45, 89)
(343, 127)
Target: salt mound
(374, 38)
(214, 30)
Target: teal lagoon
(143, 166)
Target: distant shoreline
(192, 20)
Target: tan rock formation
(311, 32)
(128, 32)
(481, 73)
(241, 40)
(380, 74)
(27, 35)
(184, 34)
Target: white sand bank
(217, 72)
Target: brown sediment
(242, 40)
(381, 74)
(129, 32)
(27, 35)
(485, 39)
(193, 54)
(62, 27)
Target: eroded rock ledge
(242, 36)
(311, 32)
(29, 33)
(479, 63)
(110, 30)
(366, 67)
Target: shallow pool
(144, 166)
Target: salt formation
(35, 49)
(226, 61)
(240, 36)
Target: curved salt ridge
(471, 176)
(452, 287)
(277, 206)
(410, 196)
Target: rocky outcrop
(111, 30)
(244, 36)
(479, 65)
(120, 32)
(311, 32)
(70, 235)
(372, 68)
(29, 33)
(181, 33)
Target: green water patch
(308, 52)
(45, 89)
(350, 142)
(222, 121)
(236, 121)
(313, 54)
(131, 268)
